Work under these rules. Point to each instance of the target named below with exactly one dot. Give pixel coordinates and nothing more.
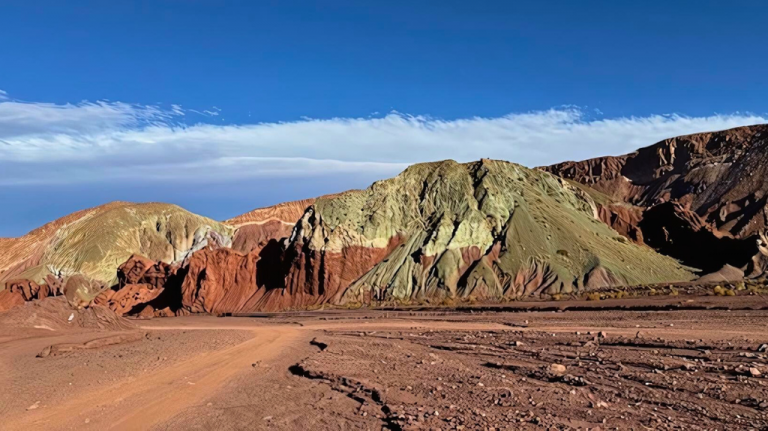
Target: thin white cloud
(91, 142)
(3, 94)
(22, 119)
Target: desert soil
(627, 364)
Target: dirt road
(138, 402)
(411, 370)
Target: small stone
(602, 334)
(754, 372)
(34, 406)
(558, 369)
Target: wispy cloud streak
(111, 141)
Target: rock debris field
(696, 367)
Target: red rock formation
(219, 281)
(129, 299)
(624, 219)
(286, 212)
(144, 287)
(223, 280)
(325, 275)
(10, 299)
(674, 230)
(212, 281)
(19, 291)
(717, 177)
(140, 270)
(254, 237)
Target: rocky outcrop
(716, 181)
(145, 288)
(92, 243)
(19, 291)
(624, 219)
(487, 229)
(286, 212)
(257, 236)
(674, 230)
(84, 248)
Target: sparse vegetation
(593, 296)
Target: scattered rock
(558, 369)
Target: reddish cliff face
(19, 291)
(286, 212)
(161, 232)
(718, 181)
(255, 237)
(488, 230)
(624, 219)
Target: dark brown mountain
(700, 198)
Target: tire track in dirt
(148, 399)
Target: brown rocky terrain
(68, 255)
(699, 365)
(78, 255)
(438, 232)
(287, 212)
(443, 231)
(454, 296)
(699, 198)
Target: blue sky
(223, 106)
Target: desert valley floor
(668, 362)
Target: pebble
(557, 368)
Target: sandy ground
(627, 366)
